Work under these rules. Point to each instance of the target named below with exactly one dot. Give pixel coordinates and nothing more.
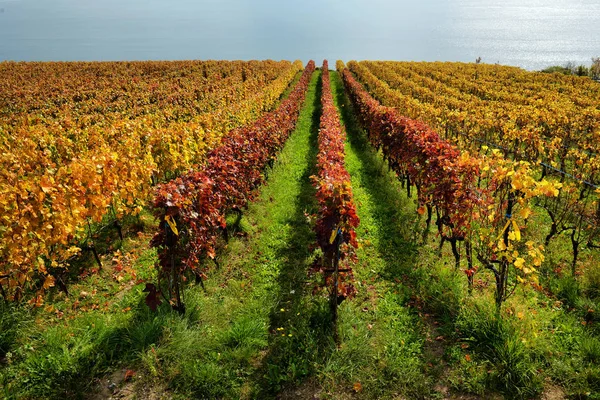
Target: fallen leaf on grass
(128, 375)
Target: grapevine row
(472, 122)
(546, 126)
(337, 219)
(442, 175)
(192, 208)
(98, 92)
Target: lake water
(529, 33)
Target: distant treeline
(571, 68)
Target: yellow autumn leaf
(504, 229)
(332, 237)
(172, 224)
(525, 212)
(516, 230)
(48, 282)
(519, 262)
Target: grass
(380, 334)
(58, 350)
(532, 345)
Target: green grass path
(382, 340)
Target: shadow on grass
(301, 326)
(107, 238)
(390, 207)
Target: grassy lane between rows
(249, 323)
(380, 353)
(381, 339)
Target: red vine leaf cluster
(192, 208)
(337, 211)
(445, 178)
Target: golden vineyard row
(514, 138)
(68, 155)
(532, 116)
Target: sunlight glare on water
(530, 33)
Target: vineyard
(538, 137)
(82, 141)
(260, 229)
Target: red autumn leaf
(128, 375)
(153, 296)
